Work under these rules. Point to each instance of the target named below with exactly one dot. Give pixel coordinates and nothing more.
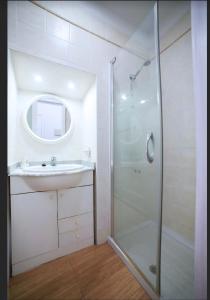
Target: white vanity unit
(51, 214)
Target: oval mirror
(48, 118)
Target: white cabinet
(33, 224)
(81, 235)
(75, 201)
(75, 217)
(74, 223)
(49, 224)
(76, 230)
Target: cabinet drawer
(75, 201)
(74, 223)
(75, 237)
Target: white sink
(53, 169)
(45, 178)
(55, 182)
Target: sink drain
(152, 269)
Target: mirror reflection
(48, 118)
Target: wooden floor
(93, 273)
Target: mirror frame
(36, 137)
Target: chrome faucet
(53, 161)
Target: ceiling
(42, 76)
(117, 21)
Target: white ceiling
(117, 21)
(42, 76)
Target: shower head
(145, 64)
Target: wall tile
(12, 21)
(178, 211)
(178, 138)
(28, 38)
(80, 37)
(53, 47)
(80, 56)
(31, 14)
(57, 27)
(102, 53)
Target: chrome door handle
(150, 156)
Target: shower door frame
(154, 293)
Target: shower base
(177, 257)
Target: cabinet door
(75, 201)
(33, 224)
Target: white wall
(11, 141)
(30, 149)
(12, 116)
(37, 32)
(89, 123)
(83, 135)
(178, 137)
(199, 44)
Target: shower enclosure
(137, 156)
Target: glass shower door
(137, 149)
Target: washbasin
(53, 169)
(47, 177)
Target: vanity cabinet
(33, 224)
(49, 224)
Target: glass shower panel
(137, 149)
(178, 214)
